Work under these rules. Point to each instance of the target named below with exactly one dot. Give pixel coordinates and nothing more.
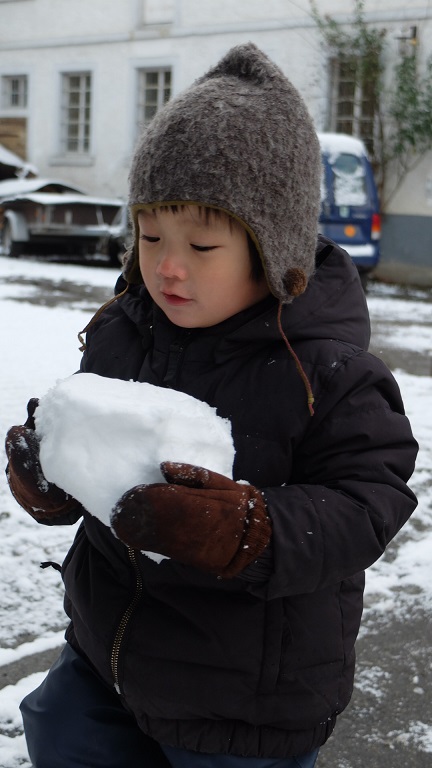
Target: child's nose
(171, 264)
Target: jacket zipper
(115, 653)
(177, 351)
(175, 360)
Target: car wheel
(11, 247)
(115, 253)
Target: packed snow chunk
(100, 437)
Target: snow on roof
(335, 143)
(10, 159)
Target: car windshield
(348, 179)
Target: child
(237, 650)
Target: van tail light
(376, 226)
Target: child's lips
(174, 299)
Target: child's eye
(203, 248)
(149, 239)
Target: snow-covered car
(48, 216)
(350, 210)
(12, 166)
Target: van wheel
(11, 247)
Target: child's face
(198, 272)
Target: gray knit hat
(239, 139)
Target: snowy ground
(38, 345)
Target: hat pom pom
(295, 281)
(245, 62)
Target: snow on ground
(38, 346)
(411, 569)
(408, 325)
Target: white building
(79, 78)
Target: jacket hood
(334, 304)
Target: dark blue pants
(74, 721)
(181, 758)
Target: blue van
(350, 213)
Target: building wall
(406, 243)
(406, 247)
(112, 38)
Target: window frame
(153, 15)
(361, 119)
(82, 135)
(7, 104)
(142, 87)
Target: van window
(349, 180)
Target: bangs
(206, 213)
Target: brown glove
(41, 499)
(199, 518)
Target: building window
(76, 113)
(158, 11)
(154, 90)
(353, 102)
(14, 92)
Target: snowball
(100, 437)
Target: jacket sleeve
(70, 519)
(348, 494)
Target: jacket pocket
(272, 646)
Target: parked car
(350, 212)
(49, 216)
(119, 237)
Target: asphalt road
(382, 727)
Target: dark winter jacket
(253, 667)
